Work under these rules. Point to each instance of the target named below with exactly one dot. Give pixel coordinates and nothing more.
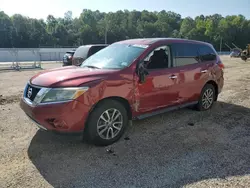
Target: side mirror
(142, 72)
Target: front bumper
(37, 124)
(67, 117)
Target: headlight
(63, 94)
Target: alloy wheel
(207, 98)
(109, 124)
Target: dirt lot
(182, 148)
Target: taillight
(73, 60)
(220, 64)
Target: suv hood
(71, 76)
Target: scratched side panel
(114, 85)
(190, 82)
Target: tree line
(94, 26)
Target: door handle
(203, 71)
(172, 77)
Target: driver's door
(160, 88)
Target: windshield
(235, 51)
(69, 53)
(115, 56)
(82, 51)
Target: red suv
(131, 79)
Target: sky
(42, 8)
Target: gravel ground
(182, 148)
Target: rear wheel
(207, 98)
(106, 123)
(244, 58)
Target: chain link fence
(30, 58)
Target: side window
(95, 49)
(206, 53)
(185, 54)
(159, 58)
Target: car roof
(149, 41)
(90, 45)
(72, 51)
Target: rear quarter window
(207, 53)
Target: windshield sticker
(125, 64)
(140, 45)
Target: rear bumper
(68, 63)
(220, 82)
(68, 117)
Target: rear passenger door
(207, 58)
(189, 71)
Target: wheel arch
(121, 100)
(212, 82)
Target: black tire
(244, 58)
(201, 106)
(91, 134)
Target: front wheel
(106, 123)
(207, 98)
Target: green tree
(95, 26)
(6, 31)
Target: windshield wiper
(91, 66)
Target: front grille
(31, 92)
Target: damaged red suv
(131, 79)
